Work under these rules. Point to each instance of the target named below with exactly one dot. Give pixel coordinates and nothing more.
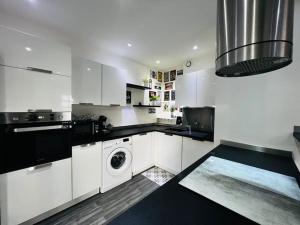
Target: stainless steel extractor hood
(253, 36)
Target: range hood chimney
(253, 36)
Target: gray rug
(158, 175)
(260, 195)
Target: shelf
(137, 86)
(149, 106)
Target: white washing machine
(116, 163)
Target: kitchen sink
(178, 129)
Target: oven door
(32, 144)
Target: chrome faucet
(190, 128)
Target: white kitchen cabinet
(143, 153)
(169, 152)
(192, 150)
(186, 89)
(113, 86)
(22, 90)
(196, 89)
(206, 88)
(155, 145)
(21, 50)
(28, 193)
(86, 168)
(86, 81)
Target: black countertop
(120, 132)
(172, 204)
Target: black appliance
(102, 121)
(85, 128)
(32, 139)
(103, 126)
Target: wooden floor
(102, 208)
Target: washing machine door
(119, 161)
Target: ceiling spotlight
(157, 62)
(129, 45)
(28, 49)
(195, 47)
(88, 69)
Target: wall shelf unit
(149, 106)
(137, 86)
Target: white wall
(262, 110)
(117, 116)
(137, 71)
(204, 61)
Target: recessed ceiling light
(129, 44)
(195, 47)
(88, 69)
(157, 62)
(28, 49)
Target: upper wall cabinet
(25, 51)
(86, 81)
(113, 86)
(22, 90)
(206, 88)
(186, 88)
(196, 89)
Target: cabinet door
(169, 152)
(86, 81)
(192, 150)
(143, 154)
(186, 90)
(113, 86)
(21, 50)
(206, 88)
(22, 90)
(28, 193)
(86, 168)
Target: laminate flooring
(102, 208)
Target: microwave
(85, 128)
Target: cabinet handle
(39, 110)
(114, 104)
(86, 103)
(39, 70)
(30, 129)
(87, 145)
(142, 134)
(39, 167)
(168, 134)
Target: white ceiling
(164, 30)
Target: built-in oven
(34, 139)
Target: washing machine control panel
(116, 142)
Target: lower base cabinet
(143, 154)
(30, 192)
(86, 168)
(168, 154)
(192, 150)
